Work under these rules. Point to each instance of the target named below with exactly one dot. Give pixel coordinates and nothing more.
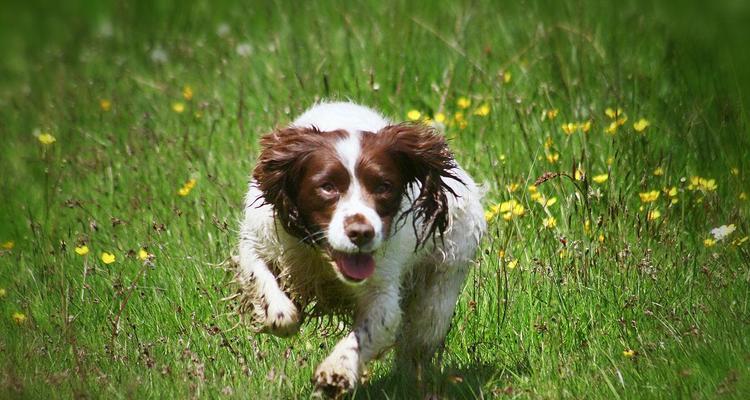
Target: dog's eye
(328, 188)
(383, 188)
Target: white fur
(432, 277)
(351, 204)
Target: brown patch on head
(300, 175)
(404, 154)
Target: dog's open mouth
(355, 267)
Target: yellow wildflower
(548, 142)
(46, 139)
(702, 184)
(587, 226)
(19, 318)
(600, 178)
(545, 202)
(506, 77)
(659, 171)
(105, 105)
(178, 107)
(534, 194)
(413, 115)
(9, 245)
(628, 353)
(653, 215)
(569, 128)
(553, 157)
(649, 197)
(512, 264)
(143, 254)
(743, 196)
(641, 125)
(507, 206)
(612, 114)
(672, 192)
(601, 238)
(187, 187)
(612, 128)
(550, 114)
(549, 222)
(511, 208)
(82, 250)
(463, 103)
(579, 174)
(108, 258)
(563, 253)
(512, 187)
(493, 211)
(440, 117)
(483, 110)
(585, 126)
(460, 120)
(708, 242)
(187, 92)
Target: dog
(352, 215)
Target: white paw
(279, 316)
(336, 376)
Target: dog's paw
(334, 378)
(280, 316)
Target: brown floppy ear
(280, 166)
(424, 158)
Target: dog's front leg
(273, 309)
(375, 327)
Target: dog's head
(345, 191)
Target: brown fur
(421, 155)
(295, 162)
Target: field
(129, 130)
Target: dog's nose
(359, 231)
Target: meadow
(612, 139)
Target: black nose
(359, 231)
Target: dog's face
(344, 191)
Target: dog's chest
(309, 280)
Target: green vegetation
(131, 128)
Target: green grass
(554, 326)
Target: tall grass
(607, 303)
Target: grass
(606, 304)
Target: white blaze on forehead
(348, 150)
(351, 202)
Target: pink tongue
(356, 267)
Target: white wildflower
(223, 29)
(722, 232)
(158, 55)
(244, 49)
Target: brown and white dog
(348, 213)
